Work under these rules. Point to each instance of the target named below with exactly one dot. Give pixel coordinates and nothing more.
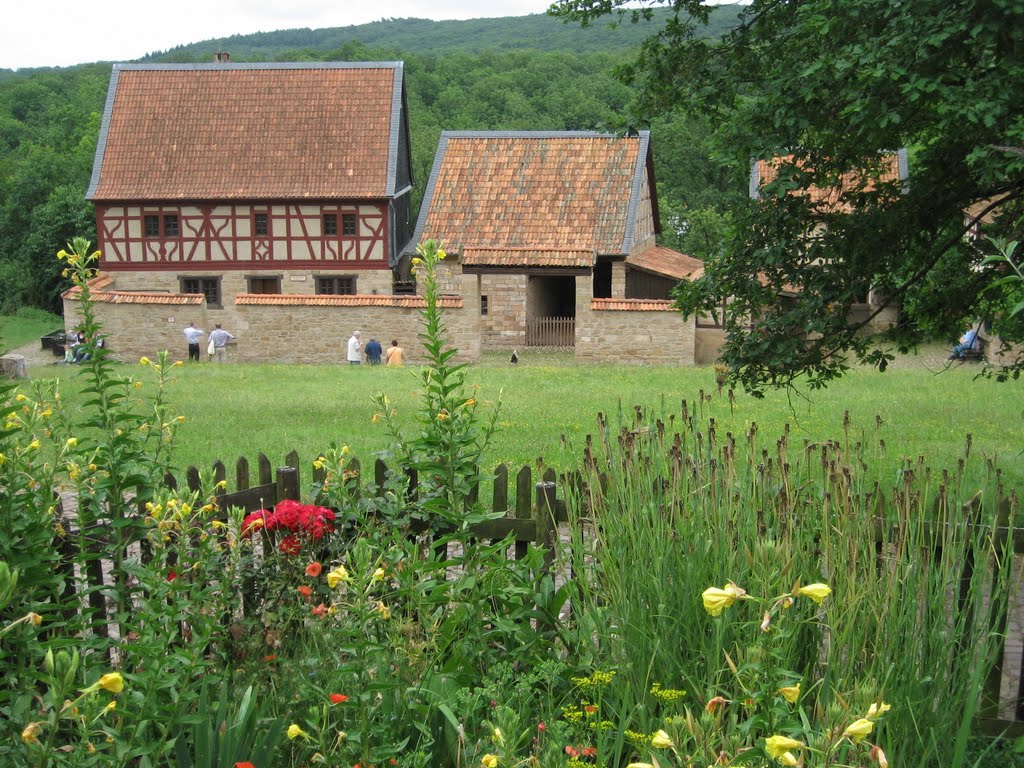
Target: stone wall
(632, 331)
(299, 333)
(505, 323)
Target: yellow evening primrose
(489, 761)
(875, 711)
(790, 693)
(384, 611)
(35, 618)
(776, 746)
(662, 740)
(858, 729)
(30, 734)
(715, 599)
(336, 576)
(639, 765)
(378, 575)
(294, 731)
(788, 758)
(112, 681)
(2, 458)
(111, 706)
(498, 737)
(144, 361)
(34, 445)
(817, 592)
(71, 443)
(20, 398)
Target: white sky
(61, 33)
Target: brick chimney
(222, 57)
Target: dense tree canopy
(832, 83)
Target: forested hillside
(460, 76)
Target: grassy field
(28, 325)
(239, 409)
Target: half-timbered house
(254, 195)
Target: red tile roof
(665, 261)
(247, 131)
(526, 257)
(136, 297)
(283, 300)
(632, 305)
(543, 190)
(889, 170)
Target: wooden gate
(551, 332)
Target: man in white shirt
(219, 338)
(192, 335)
(354, 349)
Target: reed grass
(920, 573)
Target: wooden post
(544, 515)
(287, 483)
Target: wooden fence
(532, 512)
(551, 332)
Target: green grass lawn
(28, 325)
(241, 410)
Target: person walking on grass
(373, 351)
(192, 334)
(219, 340)
(354, 349)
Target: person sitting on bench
(968, 343)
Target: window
(330, 223)
(155, 225)
(264, 284)
(208, 286)
(336, 286)
(348, 224)
(259, 224)
(483, 305)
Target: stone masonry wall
(505, 322)
(281, 334)
(660, 337)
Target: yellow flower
(639, 765)
(20, 398)
(662, 740)
(375, 418)
(817, 592)
(294, 731)
(319, 463)
(112, 681)
(137, 384)
(378, 575)
(775, 746)
(858, 729)
(788, 758)
(417, 261)
(71, 443)
(498, 737)
(30, 734)
(112, 705)
(875, 711)
(144, 361)
(35, 618)
(336, 576)
(46, 413)
(442, 415)
(790, 693)
(489, 761)
(34, 445)
(2, 458)
(62, 254)
(384, 611)
(441, 255)
(178, 364)
(715, 599)
(470, 403)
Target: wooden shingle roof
(249, 131)
(572, 191)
